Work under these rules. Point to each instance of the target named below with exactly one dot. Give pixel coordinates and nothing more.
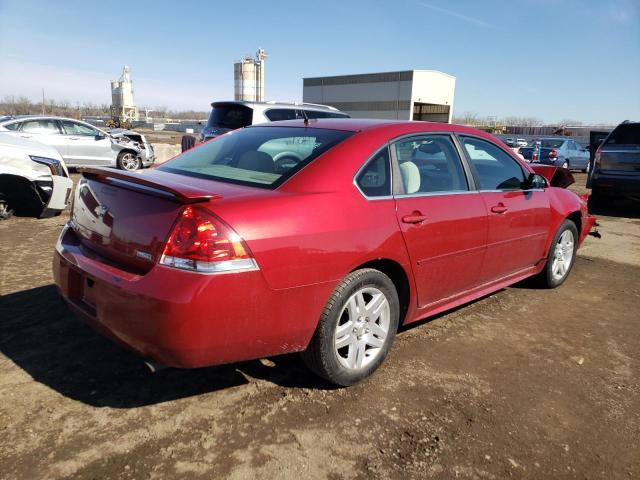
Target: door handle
(500, 208)
(415, 217)
(25, 136)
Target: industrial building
(406, 95)
(122, 104)
(248, 77)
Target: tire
(128, 160)
(350, 343)
(586, 168)
(561, 256)
(565, 164)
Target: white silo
(122, 104)
(248, 75)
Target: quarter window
(496, 169)
(374, 179)
(429, 164)
(276, 114)
(40, 126)
(12, 126)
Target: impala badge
(144, 255)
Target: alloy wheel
(129, 161)
(563, 255)
(363, 327)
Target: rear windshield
(257, 156)
(625, 134)
(552, 143)
(230, 115)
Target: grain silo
(122, 104)
(248, 75)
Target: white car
(521, 142)
(34, 179)
(81, 144)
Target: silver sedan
(80, 143)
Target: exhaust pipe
(154, 367)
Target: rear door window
(625, 134)
(40, 126)
(429, 164)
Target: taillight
(553, 153)
(534, 155)
(597, 159)
(203, 243)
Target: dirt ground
(524, 383)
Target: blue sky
(551, 59)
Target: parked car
(561, 152)
(137, 140)
(227, 116)
(79, 143)
(510, 142)
(221, 255)
(33, 178)
(521, 142)
(616, 165)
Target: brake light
(553, 153)
(534, 155)
(597, 159)
(203, 243)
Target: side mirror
(100, 136)
(535, 181)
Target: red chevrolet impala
(321, 237)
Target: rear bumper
(616, 185)
(185, 319)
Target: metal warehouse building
(407, 95)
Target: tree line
(20, 105)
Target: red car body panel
(305, 236)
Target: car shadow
(41, 336)
(616, 208)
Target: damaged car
(138, 140)
(228, 253)
(79, 143)
(34, 180)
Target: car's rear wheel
(128, 161)
(565, 164)
(561, 256)
(356, 329)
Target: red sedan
(321, 237)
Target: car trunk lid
(126, 217)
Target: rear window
(625, 134)
(552, 143)
(258, 156)
(230, 115)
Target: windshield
(258, 156)
(230, 115)
(552, 143)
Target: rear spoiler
(556, 176)
(137, 182)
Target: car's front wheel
(561, 256)
(128, 161)
(356, 329)
(565, 164)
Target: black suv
(616, 165)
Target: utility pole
(43, 101)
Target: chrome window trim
(436, 194)
(365, 164)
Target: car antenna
(306, 119)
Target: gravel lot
(524, 383)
